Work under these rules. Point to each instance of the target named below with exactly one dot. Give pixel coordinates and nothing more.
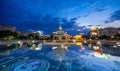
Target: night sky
(46, 15)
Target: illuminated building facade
(5, 27)
(59, 35)
(108, 31)
(78, 37)
(67, 36)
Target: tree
(8, 34)
(104, 37)
(117, 36)
(30, 36)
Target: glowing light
(93, 29)
(54, 48)
(79, 43)
(100, 55)
(78, 37)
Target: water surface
(56, 58)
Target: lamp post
(98, 28)
(99, 43)
(90, 45)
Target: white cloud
(97, 18)
(70, 9)
(113, 24)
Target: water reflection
(85, 60)
(36, 46)
(60, 51)
(39, 57)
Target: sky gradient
(46, 15)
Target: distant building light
(94, 33)
(40, 33)
(118, 32)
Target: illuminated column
(98, 27)
(65, 36)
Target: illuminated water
(55, 58)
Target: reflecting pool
(39, 57)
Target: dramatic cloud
(115, 23)
(100, 9)
(46, 23)
(96, 10)
(46, 15)
(115, 16)
(70, 9)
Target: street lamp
(98, 27)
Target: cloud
(26, 16)
(100, 9)
(95, 10)
(39, 14)
(115, 16)
(115, 23)
(94, 3)
(46, 23)
(91, 3)
(89, 25)
(70, 9)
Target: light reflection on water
(40, 57)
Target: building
(40, 33)
(59, 35)
(78, 37)
(25, 34)
(110, 31)
(118, 30)
(4, 27)
(94, 32)
(67, 36)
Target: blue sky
(46, 15)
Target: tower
(60, 27)
(60, 30)
(59, 34)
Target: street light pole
(98, 27)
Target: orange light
(79, 43)
(118, 32)
(93, 28)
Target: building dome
(60, 27)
